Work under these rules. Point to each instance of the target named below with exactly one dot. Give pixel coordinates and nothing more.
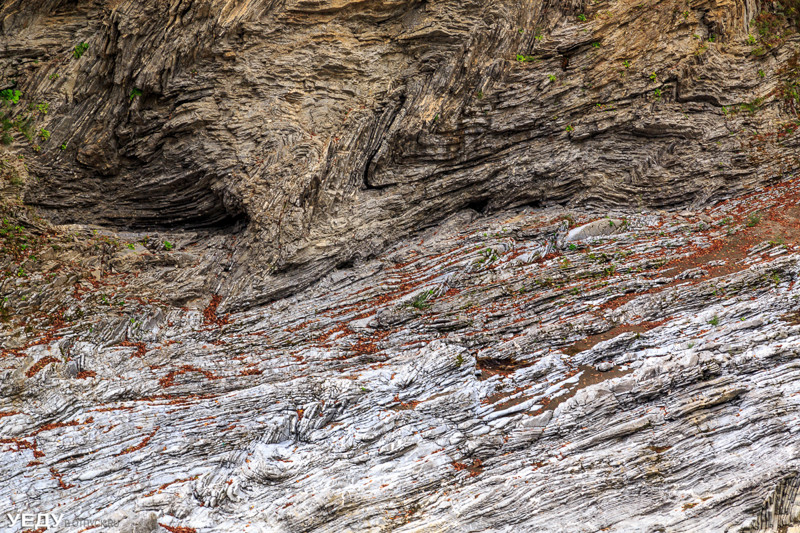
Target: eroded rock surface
(400, 266)
(474, 378)
(321, 132)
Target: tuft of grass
(753, 219)
(10, 96)
(714, 321)
(422, 300)
(79, 50)
(134, 93)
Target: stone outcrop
(399, 266)
(319, 133)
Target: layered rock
(413, 266)
(321, 132)
(475, 378)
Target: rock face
(320, 132)
(399, 266)
(474, 378)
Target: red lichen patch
(300, 326)
(139, 446)
(341, 328)
(175, 529)
(165, 485)
(40, 530)
(34, 463)
(509, 402)
(169, 379)
(56, 425)
(4, 414)
(504, 367)
(83, 374)
(403, 406)
(40, 364)
(21, 444)
(475, 469)
(589, 376)
(210, 316)
(141, 348)
(251, 372)
(592, 340)
(365, 346)
(369, 346)
(58, 476)
(792, 318)
(105, 409)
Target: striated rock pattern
(399, 266)
(320, 132)
(487, 375)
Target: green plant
(582, 17)
(43, 107)
(168, 245)
(134, 93)
(53, 76)
(6, 138)
(79, 50)
(459, 360)
(753, 219)
(653, 77)
(489, 256)
(552, 77)
(64, 146)
(10, 96)
(44, 134)
(522, 58)
(573, 246)
(626, 64)
(595, 45)
(751, 39)
(569, 128)
(714, 321)
(538, 36)
(657, 93)
(131, 246)
(480, 95)
(521, 31)
(421, 301)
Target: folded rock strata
(470, 379)
(321, 132)
(400, 266)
